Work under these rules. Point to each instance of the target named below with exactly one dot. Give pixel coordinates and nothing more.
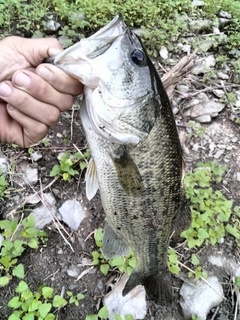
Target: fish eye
(138, 57)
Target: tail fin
(157, 285)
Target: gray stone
(72, 213)
(73, 271)
(218, 154)
(200, 298)
(206, 45)
(52, 25)
(163, 52)
(235, 139)
(198, 3)
(216, 30)
(134, 302)
(219, 93)
(29, 173)
(4, 165)
(204, 119)
(210, 108)
(223, 22)
(36, 156)
(1, 239)
(199, 25)
(225, 14)
(43, 214)
(222, 75)
(34, 200)
(204, 64)
(182, 88)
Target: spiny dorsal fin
(112, 245)
(91, 180)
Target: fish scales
(134, 144)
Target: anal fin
(112, 244)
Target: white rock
(1, 239)
(203, 64)
(219, 93)
(163, 52)
(134, 302)
(36, 156)
(42, 214)
(216, 30)
(34, 200)
(29, 173)
(222, 75)
(73, 271)
(238, 176)
(72, 213)
(198, 299)
(4, 165)
(210, 108)
(204, 119)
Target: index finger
(59, 80)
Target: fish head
(116, 71)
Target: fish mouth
(91, 47)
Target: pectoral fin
(127, 172)
(112, 244)
(91, 180)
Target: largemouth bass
(136, 154)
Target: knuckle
(52, 116)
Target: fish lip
(116, 24)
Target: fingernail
(22, 80)
(45, 73)
(5, 90)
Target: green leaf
(33, 243)
(117, 261)
(28, 222)
(103, 313)
(55, 170)
(195, 260)
(29, 316)
(118, 317)
(15, 316)
(91, 317)
(47, 292)
(18, 271)
(34, 305)
(14, 303)
(58, 301)
(4, 281)
(50, 316)
(44, 309)
(21, 287)
(128, 317)
(104, 268)
(202, 234)
(83, 165)
(233, 231)
(237, 281)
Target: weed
(3, 184)
(103, 314)
(17, 238)
(67, 161)
(197, 130)
(210, 209)
(124, 264)
(40, 304)
(173, 262)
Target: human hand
(31, 98)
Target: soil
(50, 263)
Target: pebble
(200, 298)
(163, 52)
(29, 173)
(4, 165)
(222, 75)
(72, 213)
(42, 214)
(35, 156)
(73, 271)
(218, 154)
